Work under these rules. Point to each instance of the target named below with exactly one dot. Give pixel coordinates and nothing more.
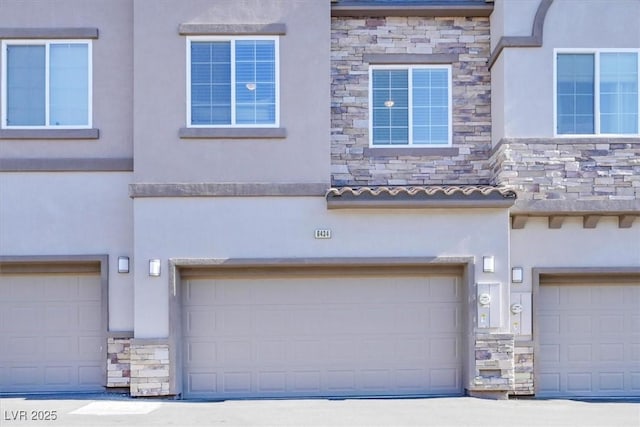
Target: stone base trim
(494, 370)
(523, 360)
(149, 368)
(118, 362)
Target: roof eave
(434, 11)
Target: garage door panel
(587, 343)
(53, 334)
(322, 336)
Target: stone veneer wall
(353, 38)
(523, 360)
(494, 355)
(118, 362)
(149, 368)
(569, 169)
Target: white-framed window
(232, 81)
(596, 92)
(46, 84)
(410, 105)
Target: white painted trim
(232, 40)
(47, 44)
(410, 68)
(596, 108)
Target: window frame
(596, 93)
(47, 43)
(232, 40)
(410, 68)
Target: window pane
(390, 100)
(431, 106)
(619, 93)
(26, 85)
(69, 84)
(255, 82)
(575, 93)
(211, 83)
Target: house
(303, 198)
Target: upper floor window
(597, 92)
(46, 84)
(410, 105)
(232, 82)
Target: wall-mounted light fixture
(389, 103)
(517, 275)
(123, 264)
(154, 267)
(251, 86)
(488, 264)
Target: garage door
(51, 333)
(589, 339)
(322, 336)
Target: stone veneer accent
(569, 169)
(523, 359)
(351, 39)
(149, 368)
(118, 361)
(494, 355)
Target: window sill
(411, 151)
(232, 133)
(49, 133)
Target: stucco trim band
(410, 58)
(48, 33)
(411, 151)
(436, 11)
(228, 190)
(534, 40)
(275, 29)
(232, 133)
(49, 133)
(66, 165)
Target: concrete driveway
(460, 411)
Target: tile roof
(436, 196)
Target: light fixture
(123, 264)
(488, 264)
(154, 267)
(517, 275)
(251, 86)
(389, 103)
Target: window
(46, 84)
(597, 92)
(232, 82)
(410, 105)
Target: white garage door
(589, 340)
(51, 333)
(294, 336)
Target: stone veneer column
(150, 367)
(494, 371)
(524, 385)
(118, 361)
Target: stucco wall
(351, 39)
(528, 72)
(269, 227)
(72, 214)
(160, 95)
(112, 74)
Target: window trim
(47, 43)
(596, 110)
(410, 68)
(232, 39)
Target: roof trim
(534, 40)
(420, 197)
(432, 10)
